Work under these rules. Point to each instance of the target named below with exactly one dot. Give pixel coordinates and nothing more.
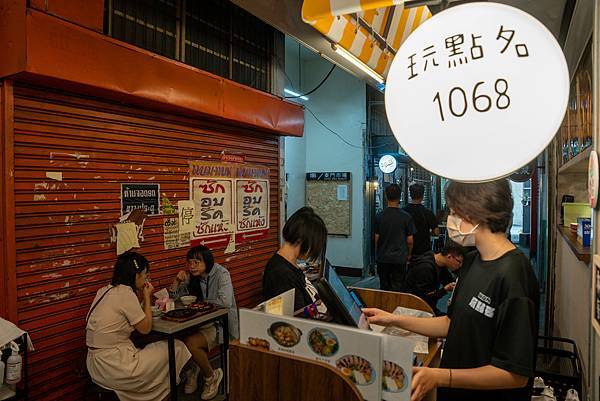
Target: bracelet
(450, 383)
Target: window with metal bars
(213, 35)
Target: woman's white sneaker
(211, 385)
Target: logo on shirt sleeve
(481, 305)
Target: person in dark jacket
(430, 275)
(305, 237)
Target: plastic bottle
(538, 386)
(572, 395)
(13, 365)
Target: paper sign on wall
(187, 216)
(173, 238)
(231, 203)
(140, 196)
(484, 84)
(129, 231)
(252, 204)
(342, 192)
(213, 204)
(127, 237)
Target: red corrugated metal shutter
(63, 249)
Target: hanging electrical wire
(342, 138)
(317, 87)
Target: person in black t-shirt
(424, 219)
(429, 275)
(305, 237)
(394, 231)
(492, 323)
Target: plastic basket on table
(558, 363)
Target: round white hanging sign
(388, 164)
(593, 179)
(477, 91)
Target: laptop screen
(346, 298)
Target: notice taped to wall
(140, 196)
(187, 216)
(252, 204)
(173, 239)
(231, 201)
(213, 202)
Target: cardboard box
(584, 231)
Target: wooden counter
(261, 375)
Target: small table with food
(183, 318)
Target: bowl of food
(357, 369)
(323, 342)
(393, 377)
(285, 334)
(187, 299)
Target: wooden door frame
(8, 273)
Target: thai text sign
(230, 199)
(140, 196)
(252, 204)
(477, 91)
(212, 200)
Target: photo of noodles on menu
(355, 353)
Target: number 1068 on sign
(458, 101)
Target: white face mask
(464, 239)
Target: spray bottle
(13, 365)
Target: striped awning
(372, 30)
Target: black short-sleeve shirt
(280, 276)
(425, 221)
(494, 321)
(393, 226)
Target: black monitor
(341, 305)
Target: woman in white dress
(113, 361)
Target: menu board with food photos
(358, 354)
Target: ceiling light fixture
(358, 63)
(292, 93)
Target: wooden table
(169, 329)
